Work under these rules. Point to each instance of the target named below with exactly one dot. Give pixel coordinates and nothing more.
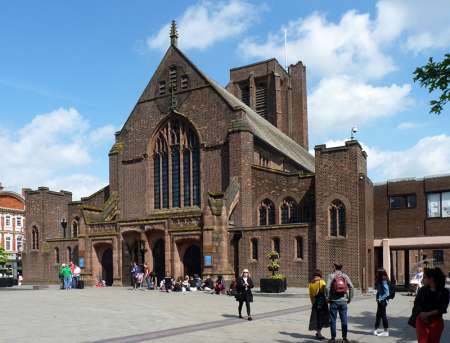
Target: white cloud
(420, 25)
(407, 125)
(207, 22)
(342, 102)
(102, 134)
(429, 156)
(50, 150)
(348, 47)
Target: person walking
(320, 316)
(339, 292)
(67, 274)
(76, 276)
(244, 293)
(61, 275)
(382, 298)
(134, 274)
(430, 304)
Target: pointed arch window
(289, 211)
(337, 219)
(56, 255)
(69, 254)
(176, 166)
(35, 238)
(266, 212)
(75, 228)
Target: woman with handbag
(244, 292)
(320, 316)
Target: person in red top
(430, 304)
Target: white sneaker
(376, 332)
(383, 334)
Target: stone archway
(103, 265)
(159, 259)
(107, 266)
(192, 260)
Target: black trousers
(381, 315)
(247, 306)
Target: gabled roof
(107, 213)
(260, 127)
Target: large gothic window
(289, 211)
(266, 212)
(336, 214)
(176, 166)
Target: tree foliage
(3, 256)
(436, 77)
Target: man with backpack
(339, 292)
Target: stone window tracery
(289, 211)
(176, 166)
(266, 212)
(336, 214)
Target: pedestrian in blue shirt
(382, 298)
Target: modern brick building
(206, 179)
(412, 225)
(12, 224)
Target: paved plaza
(124, 315)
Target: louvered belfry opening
(245, 94)
(261, 100)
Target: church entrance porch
(187, 256)
(192, 260)
(102, 264)
(107, 266)
(159, 259)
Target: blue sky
(70, 73)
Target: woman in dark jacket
(244, 292)
(382, 298)
(430, 304)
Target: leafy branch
(436, 77)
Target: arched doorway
(192, 260)
(107, 266)
(159, 260)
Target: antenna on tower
(285, 49)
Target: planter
(7, 282)
(273, 285)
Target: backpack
(391, 291)
(339, 285)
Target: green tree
(435, 76)
(3, 256)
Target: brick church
(205, 179)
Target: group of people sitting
(141, 275)
(69, 274)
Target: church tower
(275, 94)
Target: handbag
(320, 301)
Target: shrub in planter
(276, 283)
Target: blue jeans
(341, 307)
(67, 282)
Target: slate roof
(260, 127)
(107, 213)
